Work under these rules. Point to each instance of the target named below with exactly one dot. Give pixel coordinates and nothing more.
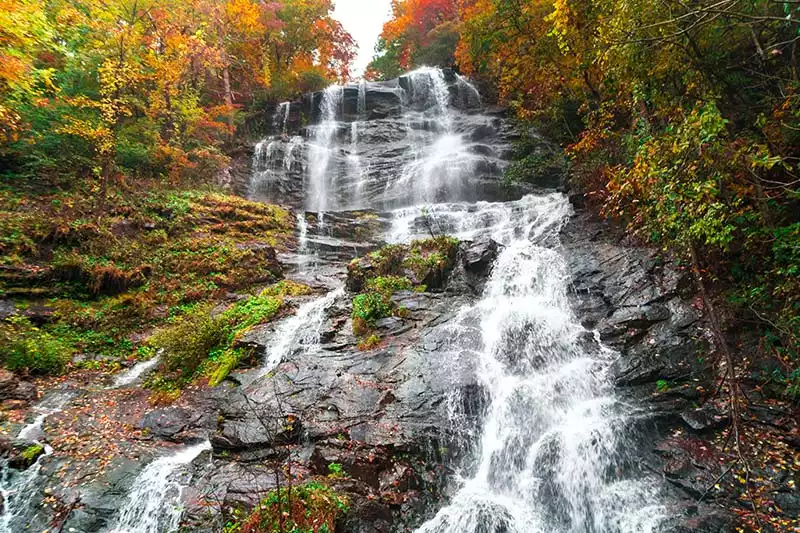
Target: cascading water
(323, 153)
(153, 505)
(280, 121)
(138, 371)
(301, 330)
(20, 489)
(551, 457)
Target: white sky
(364, 20)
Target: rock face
(381, 414)
(376, 419)
(643, 308)
(12, 388)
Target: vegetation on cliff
(420, 266)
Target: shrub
(388, 285)
(371, 342)
(311, 507)
(287, 288)
(367, 309)
(28, 349)
(189, 340)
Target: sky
(364, 20)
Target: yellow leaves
(561, 19)
(245, 15)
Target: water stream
(135, 373)
(301, 331)
(154, 503)
(19, 489)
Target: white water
(273, 158)
(50, 405)
(440, 157)
(280, 121)
(552, 452)
(136, 372)
(154, 503)
(323, 152)
(20, 489)
(301, 330)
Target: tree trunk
(226, 87)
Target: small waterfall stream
(301, 330)
(154, 503)
(19, 489)
(135, 373)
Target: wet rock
(25, 455)
(167, 423)
(179, 424)
(479, 256)
(642, 307)
(12, 388)
(708, 417)
(367, 516)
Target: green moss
(190, 339)
(288, 288)
(389, 259)
(431, 259)
(194, 338)
(227, 363)
(32, 452)
(368, 308)
(116, 272)
(388, 285)
(396, 268)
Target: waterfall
(362, 99)
(273, 158)
(323, 152)
(137, 371)
(280, 121)
(153, 505)
(440, 157)
(552, 455)
(355, 167)
(302, 330)
(556, 448)
(20, 489)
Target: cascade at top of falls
(423, 137)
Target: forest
(677, 124)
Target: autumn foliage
(152, 87)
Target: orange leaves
(413, 23)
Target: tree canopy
(151, 86)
